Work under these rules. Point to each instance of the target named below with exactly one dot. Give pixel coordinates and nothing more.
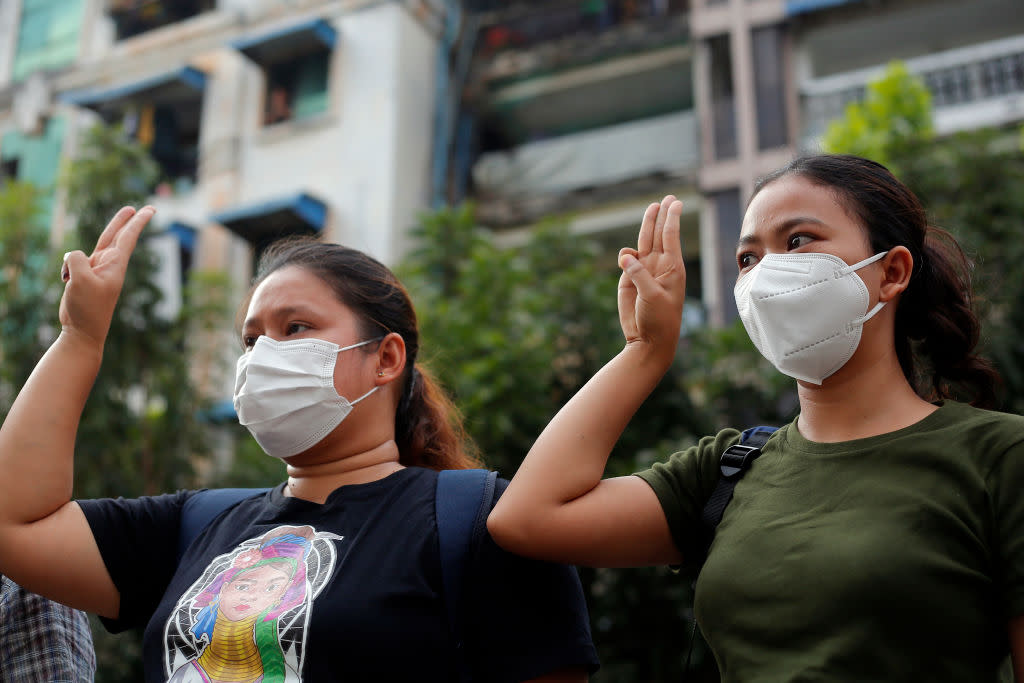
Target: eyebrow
(284, 311)
(781, 227)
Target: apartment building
(580, 111)
(266, 118)
(344, 118)
(590, 109)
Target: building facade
(266, 118)
(344, 118)
(590, 109)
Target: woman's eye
(295, 328)
(746, 260)
(249, 341)
(797, 241)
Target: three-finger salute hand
(94, 282)
(652, 287)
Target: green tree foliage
(28, 286)
(896, 112)
(514, 332)
(970, 184)
(139, 432)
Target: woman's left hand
(94, 282)
(652, 287)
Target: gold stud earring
(380, 373)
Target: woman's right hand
(94, 282)
(652, 287)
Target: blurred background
(496, 154)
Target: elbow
(501, 527)
(510, 531)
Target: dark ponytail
(428, 427)
(936, 329)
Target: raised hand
(94, 282)
(653, 282)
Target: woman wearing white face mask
(878, 537)
(337, 574)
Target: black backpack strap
(734, 463)
(462, 503)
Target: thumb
(644, 282)
(75, 262)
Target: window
(263, 223)
(47, 35)
(729, 217)
(8, 169)
(296, 88)
(132, 17)
(163, 112)
(723, 98)
(769, 87)
(295, 62)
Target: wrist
(80, 343)
(649, 355)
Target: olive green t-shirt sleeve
(1006, 484)
(685, 481)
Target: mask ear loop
(857, 266)
(352, 403)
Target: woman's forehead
(792, 200)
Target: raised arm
(558, 507)
(46, 544)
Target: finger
(128, 236)
(646, 239)
(671, 242)
(645, 284)
(659, 224)
(109, 232)
(75, 266)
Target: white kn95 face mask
(285, 395)
(805, 312)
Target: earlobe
(897, 268)
(390, 358)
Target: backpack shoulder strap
(201, 509)
(734, 463)
(462, 503)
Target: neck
(232, 654)
(314, 481)
(866, 397)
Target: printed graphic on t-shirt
(245, 619)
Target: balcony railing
(554, 35)
(664, 145)
(989, 73)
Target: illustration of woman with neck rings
(238, 630)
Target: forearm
(37, 438)
(569, 458)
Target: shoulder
(695, 467)
(989, 436)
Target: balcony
(517, 185)
(529, 38)
(972, 87)
(132, 17)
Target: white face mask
(805, 312)
(285, 395)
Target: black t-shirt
(349, 590)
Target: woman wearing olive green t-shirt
(880, 536)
